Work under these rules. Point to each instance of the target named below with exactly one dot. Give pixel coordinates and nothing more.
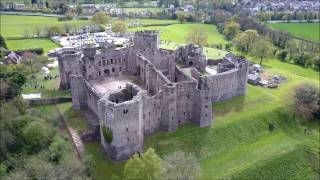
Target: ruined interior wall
(92, 100)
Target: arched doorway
(107, 72)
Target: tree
(181, 16)
(38, 134)
(246, 39)
(54, 30)
(231, 29)
(306, 102)
(79, 9)
(119, 26)
(3, 42)
(181, 166)
(101, 18)
(262, 48)
(148, 166)
(29, 59)
(197, 36)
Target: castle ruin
(137, 90)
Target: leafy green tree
(197, 36)
(119, 26)
(231, 29)
(58, 148)
(181, 166)
(148, 166)
(79, 9)
(101, 18)
(3, 42)
(38, 134)
(262, 48)
(54, 30)
(181, 16)
(245, 40)
(30, 60)
(307, 102)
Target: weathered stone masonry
(141, 89)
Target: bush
(83, 18)
(64, 18)
(38, 51)
(107, 134)
(306, 102)
(282, 55)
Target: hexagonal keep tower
(121, 114)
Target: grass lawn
(51, 87)
(178, 32)
(22, 44)
(15, 26)
(211, 53)
(74, 118)
(310, 31)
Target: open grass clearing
(50, 87)
(23, 44)
(309, 31)
(178, 32)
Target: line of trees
(288, 16)
(244, 32)
(178, 165)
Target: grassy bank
(308, 31)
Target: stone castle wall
(165, 98)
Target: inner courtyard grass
(23, 44)
(310, 31)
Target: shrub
(107, 134)
(83, 18)
(282, 55)
(306, 102)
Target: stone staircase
(76, 141)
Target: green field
(178, 32)
(310, 31)
(22, 44)
(15, 26)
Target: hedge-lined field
(15, 26)
(310, 31)
(22, 44)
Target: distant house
(12, 58)
(89, 9)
